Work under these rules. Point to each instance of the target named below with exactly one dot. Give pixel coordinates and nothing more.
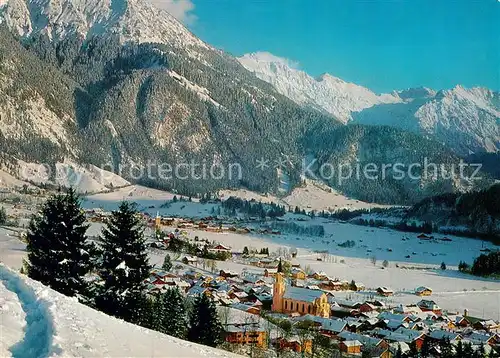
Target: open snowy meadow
(412, 262)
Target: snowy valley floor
(452, 290)
(81, 331)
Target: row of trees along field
(60, 255)
(483, 265)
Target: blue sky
(384, 44)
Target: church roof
(302, 294)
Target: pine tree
(459, 350)
(493, 354)
(280, 266)
(167, 263)
(413, 352)
(3, 216)
(468, 351)
(58, 250)
(124, 265)
(399, 352)
(156, 313)
(366, 353)
(426, 347)
(480, 352)
(245, 251)
(446, 349)
(174, 313)
(148, 315)
(204, 325)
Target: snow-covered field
(312, 196)
(385, 244)
(143, 196)
(317, 196)
(12, 250)
(8, 181)
(85, 179)
(37, 321)
(418, 260)
(452, 290)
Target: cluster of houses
(162, 242)
(425, 237)
(250, 300)
(354, 325)
(209, 223)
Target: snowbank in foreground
(12, 320)
(79, 331)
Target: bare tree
(373, 260)
(224, 315)
(269, 329)
(281, 252)
(213, 265)
(308, 270)
(305, 333)
(250, 325)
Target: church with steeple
(287, 299)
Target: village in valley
(269, 299)
(276, 294)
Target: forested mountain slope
(124, 86)
(477, 211)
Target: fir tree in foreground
(204, 325)
(153, 319)
(174, 313)
(167, 263)
(58, 250)
(123, 266)
(3, 216)
(446, 349)
(399, 353)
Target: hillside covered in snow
(38, 321)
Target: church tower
(278, 292)
(157, 221)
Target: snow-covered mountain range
(467, 120)
(327, 93)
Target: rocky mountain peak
(132, 20)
